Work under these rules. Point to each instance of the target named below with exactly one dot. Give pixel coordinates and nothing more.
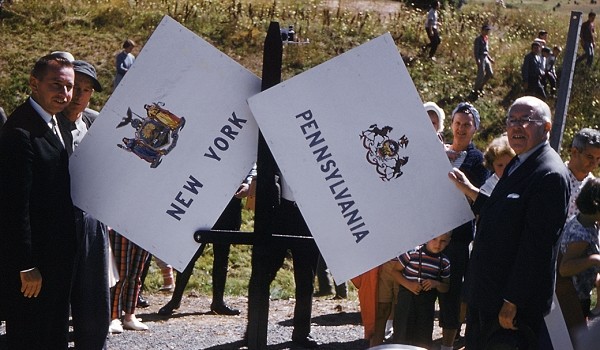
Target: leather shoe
(167, 288)
(134, 324)
(223, 309)
(141, 302)
(167, 310)
(115, 326)
(324, 292)
(306, 342)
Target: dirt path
(382, 6)
(335, 323)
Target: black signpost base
(267, 198)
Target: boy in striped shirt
(422, 273)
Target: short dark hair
(128, 43)
(588, 201)
(41, 66)
(586, 137)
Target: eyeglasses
(524, 122)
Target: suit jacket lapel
(506, 183)
(41, 128)
(65, 130)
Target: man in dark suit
(37, 230)
(532, 71)
(90, 298)
(512, 268)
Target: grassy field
(94, 30)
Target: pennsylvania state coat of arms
(384, 152)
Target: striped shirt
(419, 264)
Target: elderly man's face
(586, 160)
(525, 129)
(82, 92)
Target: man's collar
(47, 117)
(525, 155)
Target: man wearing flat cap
(484, 61)
(90, 298)
(76, 118)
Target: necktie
(514, 164)
(56, 131)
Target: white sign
(365, 166)
(557, 328)
(171, 145)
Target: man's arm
(17, 166)
(476, 49)
(395, 268)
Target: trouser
(536, 88)
(458, 253)
(130, 259)
(230, 219)
(267, 259)
(325, 283)
(40, 323)
(90, 297)
(434, 42)
(413, 318)
(588, 54)
(484, 74)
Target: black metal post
(566, 81)
(267, 197)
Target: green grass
(95, 29)
(239, 272)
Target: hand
(415, 287)
(507, 314)
(429, 284)
(242, 191)
(31, 283)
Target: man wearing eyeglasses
(512, 267)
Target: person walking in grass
(484, 61)
(432, 28)
(587, 39)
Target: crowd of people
(522, 193)
(495, 273)
(538, 69)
